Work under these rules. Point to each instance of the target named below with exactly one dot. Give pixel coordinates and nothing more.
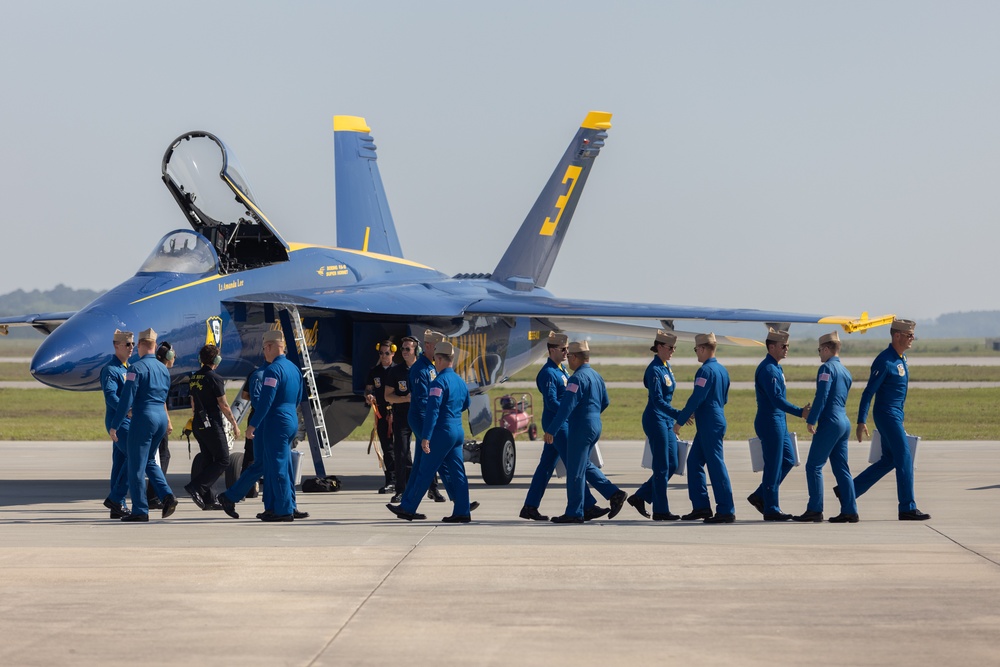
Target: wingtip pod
(597, 120)
(859, 325)
(350, 124)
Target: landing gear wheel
(498, 457)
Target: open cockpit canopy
(206, 180)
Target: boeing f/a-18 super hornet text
(232, 278)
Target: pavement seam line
(368, 597)
(986, 558)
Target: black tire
(235, 465)
(532, 431)
(498, 457)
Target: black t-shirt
(206, 388)
(399, 380)
(378, 376)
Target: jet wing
(552, 307)
(44, 322)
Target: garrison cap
(274, 336)
(123, 336)
(577, 347)
(903, 325)
(705, 339)
(557, 339)
(663, 337)
(431, 336)
(444, 347)
(147, 334)
(775, 336)
(831, 337)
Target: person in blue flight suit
(165, 355)
(422, 373)
(581, 406)
(888, 382)
(276, 418)
(147, 384)
(112, 383)
(831, 430)
(442, 436)
(658, 426)
(255, 470)
(771, 427)
(707, 405)
(551, 382)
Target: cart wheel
(532, 431)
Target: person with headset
(378, 378)
(397, 394)
(208, 401)
(165, 355)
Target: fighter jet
(231, 277)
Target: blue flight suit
(422, 373)
(772, 429)
(888, 382)
(112, 383)
(238, 491)
(707, 404)
(276, 418)
(584, 400)
(551, 382)
(147, 383)
(833, 429)
(658, 426)
(447, 398)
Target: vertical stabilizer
(364, 221)
(529, 259)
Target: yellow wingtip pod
(597, 120)
(350, 124)
(859, 325)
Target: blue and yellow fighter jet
(227, 280)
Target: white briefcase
(875, 453)
(595, 458)
(757, 452)
(682, 456)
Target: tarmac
(353, 585)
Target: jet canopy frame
(206, 180)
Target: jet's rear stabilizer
(364, 221)
(531, 255)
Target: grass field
(938, 414)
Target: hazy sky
(816, 157)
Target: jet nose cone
(69, 358)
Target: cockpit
(182, 251)
(206, 180)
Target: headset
(165, 352)
(392, 346)
(417, 349)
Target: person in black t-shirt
(378, 378)
(397, 394)
(208, 400)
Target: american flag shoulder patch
(130, 377)
(436, 391)
(270, 382)
(824, 377)
(572, 387)
(700, 382)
